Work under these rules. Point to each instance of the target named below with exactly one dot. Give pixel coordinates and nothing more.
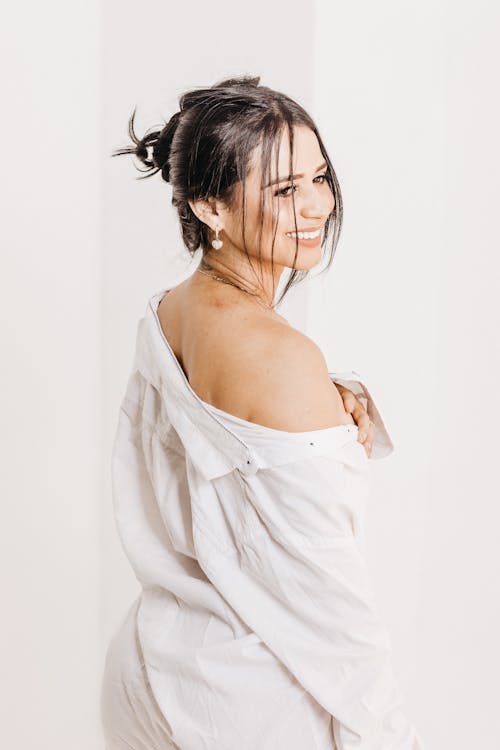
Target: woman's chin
(306, 258)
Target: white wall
(404, 95)
(51, 379)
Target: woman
(240, 470)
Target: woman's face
(314, 202)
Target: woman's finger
(366, 428)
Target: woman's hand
(366, 428)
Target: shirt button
(248, 466)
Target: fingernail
(363, 436)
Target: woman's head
(220, 152)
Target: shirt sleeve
(285, 555)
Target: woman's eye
(283, 192)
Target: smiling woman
(239, 475)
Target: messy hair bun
(159, 140)
(204, 149)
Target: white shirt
(257, 622)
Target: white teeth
(304, 235)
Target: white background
(405, 97)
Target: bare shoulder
(283, 382)
(249, 364)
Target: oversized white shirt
(257, 621)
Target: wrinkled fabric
(130, 713)
(256, 627)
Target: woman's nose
(316, 206)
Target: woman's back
(248, 361)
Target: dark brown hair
(204, 151)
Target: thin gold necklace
(232, 283)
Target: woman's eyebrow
(294, 176)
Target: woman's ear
(208, 211)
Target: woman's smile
(310, 238)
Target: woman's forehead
(307, 155)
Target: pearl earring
(217, 243)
